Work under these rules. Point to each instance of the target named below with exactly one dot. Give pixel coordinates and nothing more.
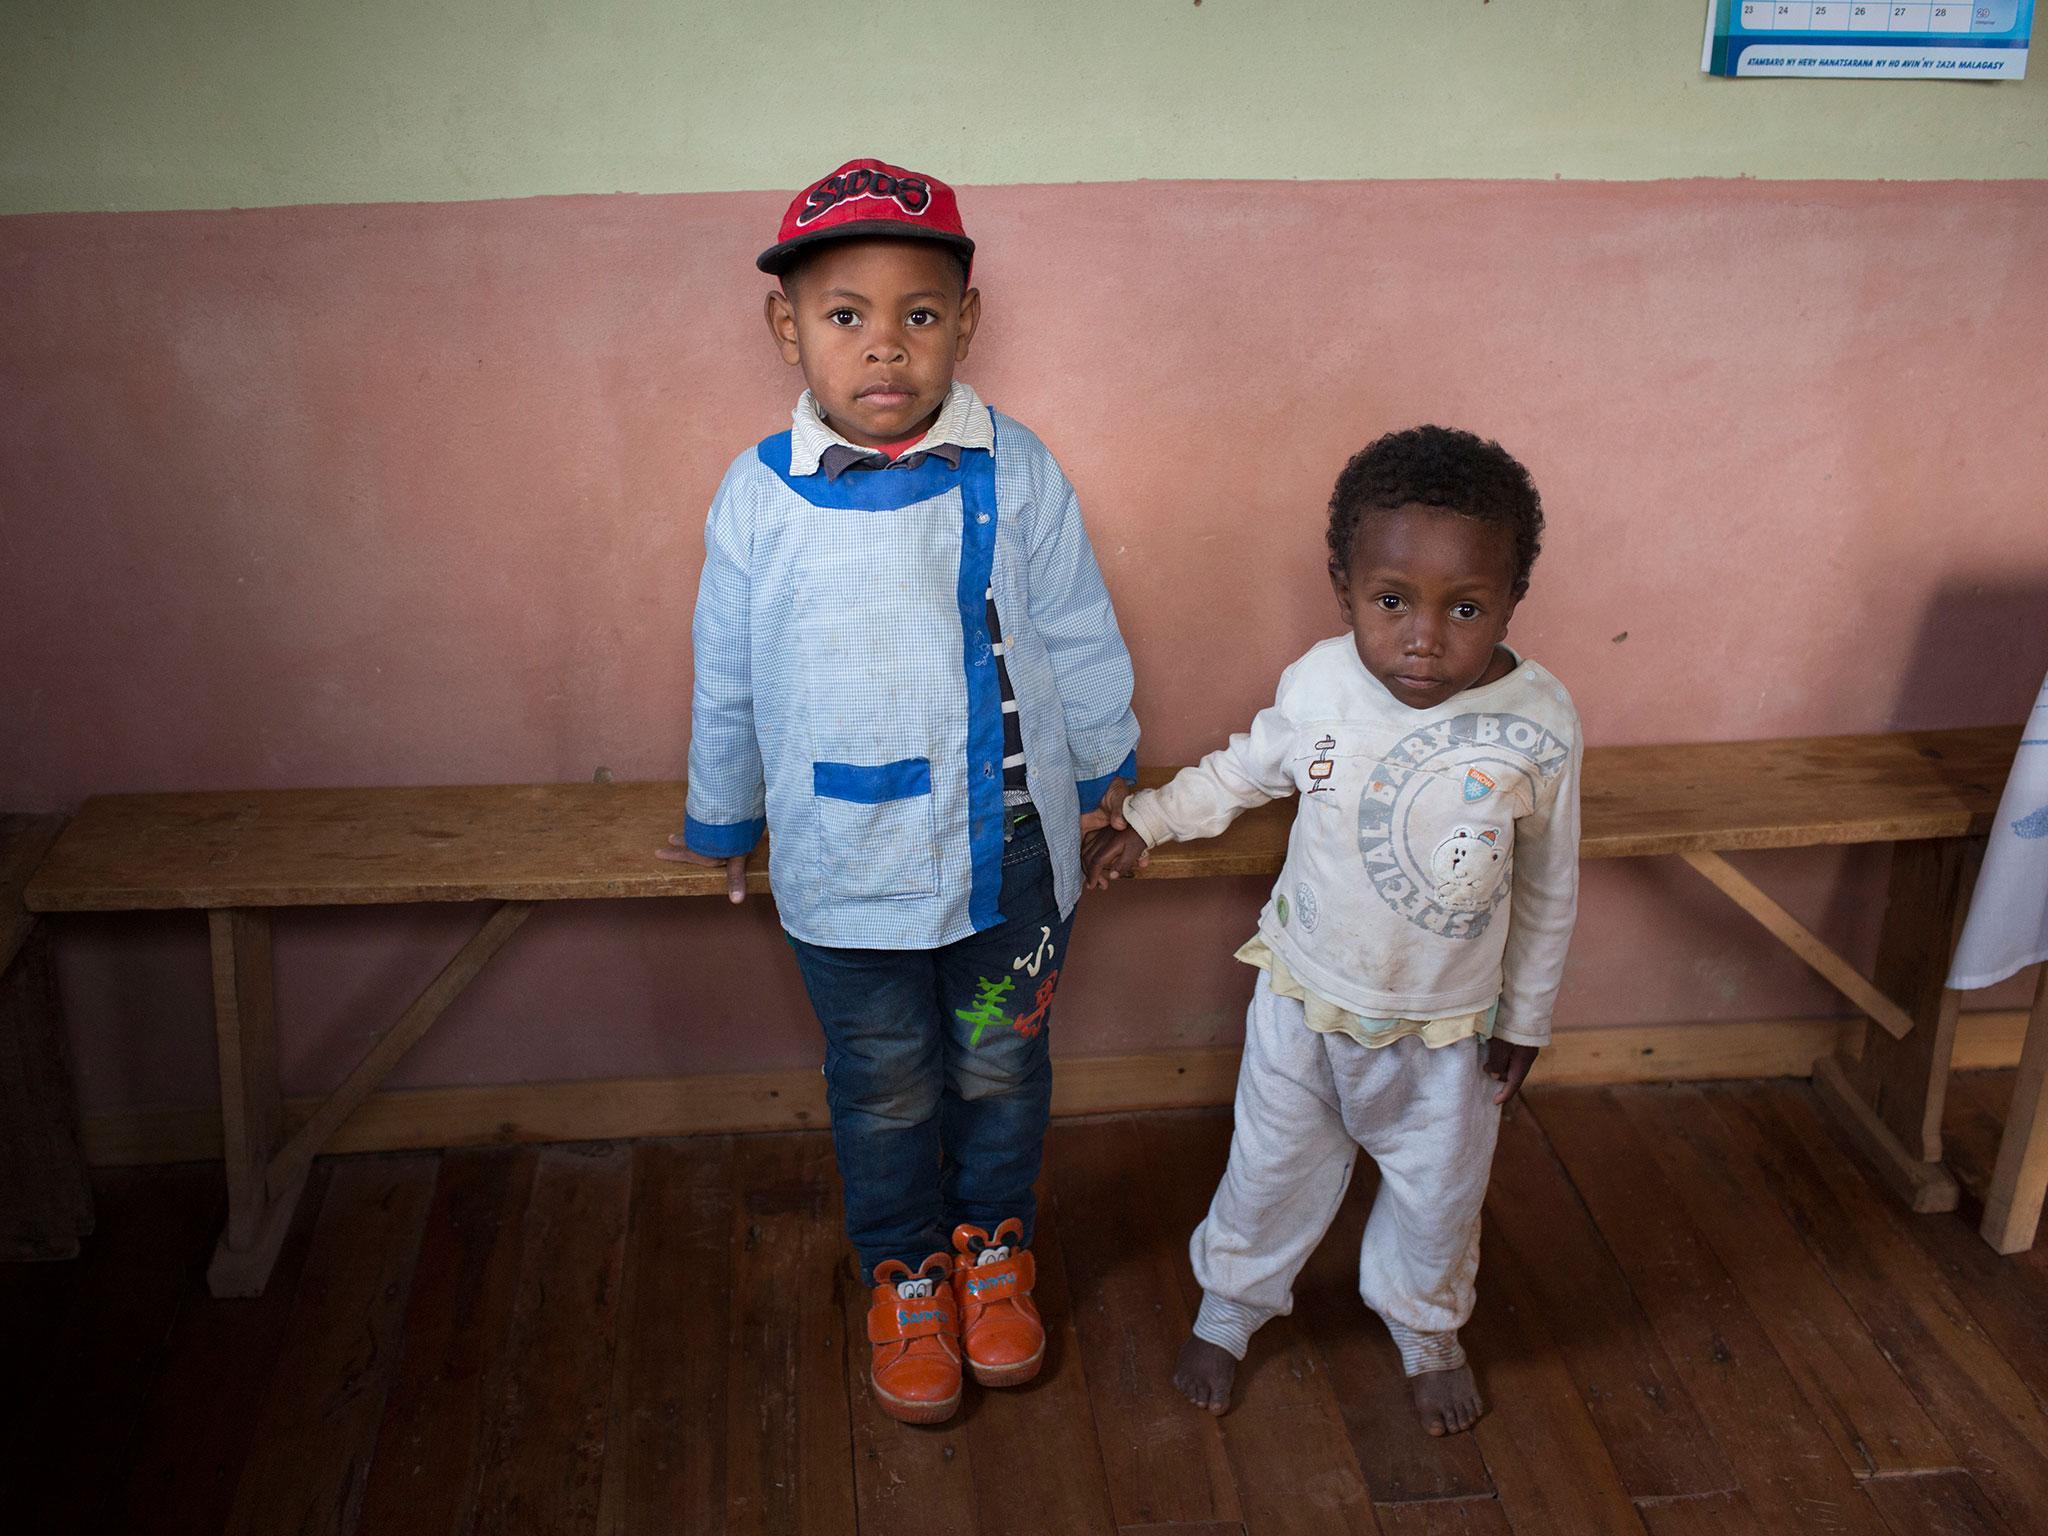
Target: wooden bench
(239, 857)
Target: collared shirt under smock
(963, 422)
(847, 692)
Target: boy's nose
(1424, 637)
(885, 346)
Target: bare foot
(1204, 1373)
(1447, 1402)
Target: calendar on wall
(1918, 40)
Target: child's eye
(922, 317)
(1465, 611)
(843, 317)
(1388, 602)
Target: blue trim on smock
(984, 695)
(878, 491)
(872, 785)
(722, 840)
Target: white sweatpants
(1305, 1103)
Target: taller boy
(908, 667)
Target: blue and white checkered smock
(846, 692)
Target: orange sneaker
(914, 1326)
(999, 1326)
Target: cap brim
(778, 259)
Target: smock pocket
(875, 827)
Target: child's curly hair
(1439, 467)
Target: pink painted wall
(409, 494)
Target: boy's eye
(1465, 611)
(1388, 602)
(922, 317)
(843, 317)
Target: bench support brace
(265, 1178)
(1889, 1098)
(1801, 940)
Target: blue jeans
(937, 1069)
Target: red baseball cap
(866, 198)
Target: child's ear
(1340, 583)
(970, 317)
(782, 325)
(1509, 617)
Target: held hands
(735, 867)
(1109, 848)
(1111, 812)
(1109, 854)
(1508, 1064)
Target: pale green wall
(122, 104)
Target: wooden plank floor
(1697, 1314)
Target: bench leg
(244, 1014)
(290, 1166)
(2012, 1208)
(1890, 1099)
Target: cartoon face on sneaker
(878, 327)
(1427, 594)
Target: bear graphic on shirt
(1468, 866)
(1437, 812)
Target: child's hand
(735, 867)
(1110, 813)
(1508, 1064)
(1108, 854)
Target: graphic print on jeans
(991, 995)
(937, 1069)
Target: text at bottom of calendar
(1917, 38)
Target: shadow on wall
(1977, 659)
(1983, 647)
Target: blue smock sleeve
(726, 811)
(1070, 609)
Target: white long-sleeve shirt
(1434, 861)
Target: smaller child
(1413, 946)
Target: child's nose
(885, 344)
(1425, 636)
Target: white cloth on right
(2007, 928)
(1306, 1102)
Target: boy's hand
(1108, 854)
(1508, 1064)
(735, 867)
(1111, 812)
